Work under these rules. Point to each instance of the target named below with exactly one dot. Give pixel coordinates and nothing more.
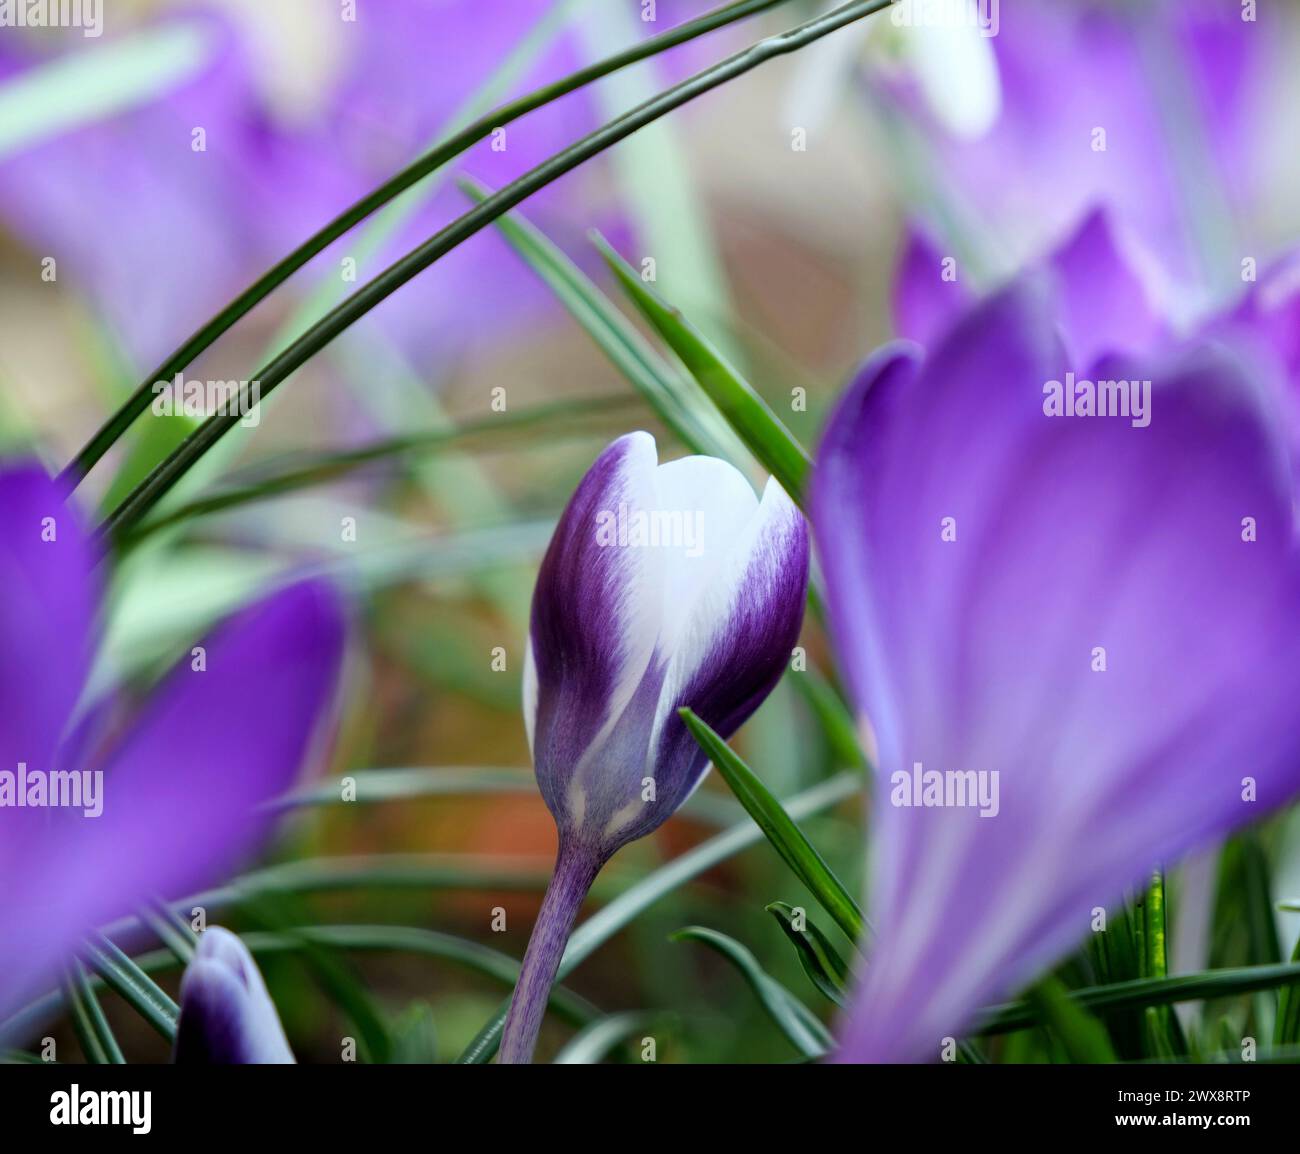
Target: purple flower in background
(1105, 287)
(1107, 299)
(160, 227)
(1123, 106)
(96, 819)
(227, 1016)
(1075, 642)
(664, 586)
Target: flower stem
(576, 867)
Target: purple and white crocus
(665, 586)
(1095, 617)
(227, 1016)
(166, 803)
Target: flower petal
(596, 614)
(735, 645)
(1096, 628)
(1105, 303)
(46, 577)
(184, 791)
(227, 1016)
(927, 299)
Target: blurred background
(150, 174)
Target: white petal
(757, 558)
(707, 505)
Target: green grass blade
(745, 411)
(92, 1029)
(787, 838)
(1082, 1036)
(280, 913)
(1286, 1029)
(168, 928)
(375, 786)
(76, 90)
(1152, 992)
(1160, 1026)
(133, 985)
(575, 419)
(471, 134)
(833, 716)
(820, 961)
(661, 387)
(805, 1032)
(608, 920)
(415, 1036)
(271, 375)
(594, 1043)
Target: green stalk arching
(160, 481)
(208, 334)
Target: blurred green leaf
(787, 838)
(821, 963)
(833, 717)
(594, 1042)
(1286, 1030)
(92, 1029)
(133, 985)
(281, 913)
(478, 958)
(792, 1017)
(372, 786)
(748, 414)
(574, 419)
(1083, 1037)
(607, 921)
(666, 392)
(98, 82)
(415, 1036)
(173, 932)
(1152, 992)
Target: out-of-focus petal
(47, 601)
(1098, 623)
(1104, 304)
(184, 791)
(929, 294)
(227, 1016)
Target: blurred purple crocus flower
(164, 805)
(1158, 112)
(665, 586)
(1106, 288)
(1086, 629)
(227, 1016)
(160, 236)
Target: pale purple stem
(576, 867)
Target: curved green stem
(159, 482)
(257, 292)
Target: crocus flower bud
(664, 586)
(227, 1016)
